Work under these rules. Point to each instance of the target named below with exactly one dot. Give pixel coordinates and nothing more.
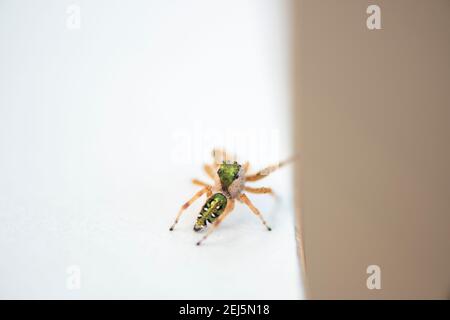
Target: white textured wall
(92, 125)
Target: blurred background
(372, 124)
(107, 110)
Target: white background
(102, 128)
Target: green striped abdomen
(211, 210)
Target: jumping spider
(229, 183)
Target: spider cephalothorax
(230, 178)
(228, 172)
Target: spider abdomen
(211, 210)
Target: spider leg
(255, 210)
(228, 209)
(200, 183)
(209, 169)
(246, 166)
(266, 171)
(203, 184)
(187, 204)
(261, 190)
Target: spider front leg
(191, 201)
(255, 210)
(228, 209)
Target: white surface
(102, 128)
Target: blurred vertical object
(372, 123)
